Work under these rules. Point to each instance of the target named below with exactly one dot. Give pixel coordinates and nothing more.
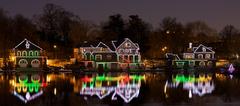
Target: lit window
(202, 63)
(127, 45)
(207, 56)
(204, 49)
(19, 53)
(98, 57)
(24, 53)
(200, 56)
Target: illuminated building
(28, 87)
(115, 55)
(28, 54)
(199, 56)
(125, 86)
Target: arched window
(209, 64)
(207, 56)
(24, 53)
(35, 63)
(36, 53)
(19, 53)
(30, 53)
(23, 63)
(202, 64)
(200, 56)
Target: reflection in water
(125, 86)
(68, 89)
(27, 87)
(198, 85)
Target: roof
(26, 44)
(112, 45)
(201, 48)
(125, 40)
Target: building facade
(199, 56)
(28, 54)
(116, 55)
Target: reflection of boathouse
(195, 85)
(125, 86)
(28, 86)
(28, 54)
(199, 56)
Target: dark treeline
(57, 26)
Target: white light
(27, 45)
(28, 96)
(190, 93)
(55, 91)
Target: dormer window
(204, 49)
(127, 45)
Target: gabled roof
(26, 44)
(127, 39)
(200, 48)
(103, 45)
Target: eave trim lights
(27, 45)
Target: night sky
(216, 13)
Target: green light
(101, 78)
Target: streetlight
(164, 48)
(54, 46)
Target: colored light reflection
(27, 90)
(110, 78)
(127, 87)
(198, 85)
(191, 78)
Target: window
(127, 44)
(200, 56)
(30, 53)
(23, 63)
(19, 53)
(126, 57)
(98, 57)
(121, 51)
(204, 49)
(202, 63)
(109, 57)
(36, 53)
(136, 59)
(207, 56)
(35, 63)
(126, 50)
(209, 64)
(120, 58)
(191, 63)
(24, 53)
(131, 58)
